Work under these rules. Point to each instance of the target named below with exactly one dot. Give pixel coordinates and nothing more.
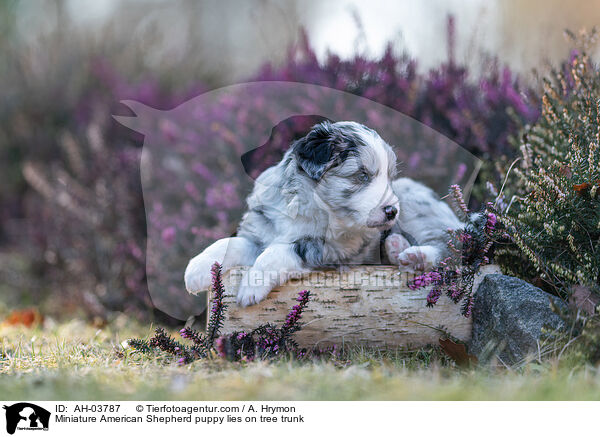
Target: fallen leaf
(458, 353)
(584, 299)
(581, 188)
(27, 317)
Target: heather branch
(218, 309)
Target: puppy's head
(352, 169)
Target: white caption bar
(157, 418)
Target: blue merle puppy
(326, 203)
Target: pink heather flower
(168, 235)
(296, 312)
(215, 320)
(468, 308)
(490, 225)
(460, 171)
(433, 296)
(424, 280)
(454, 291)
(194, 336)
(220, 346)
(459, 199)
(464, 237)
(303, 296)
(293, 316)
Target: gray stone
(508, 317)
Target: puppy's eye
(363, 176)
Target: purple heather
(425, 280)
(433, 296)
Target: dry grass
(77, 361)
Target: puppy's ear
(315, 153)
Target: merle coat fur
(326, 204)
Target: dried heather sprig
(269, 341)
(467, 307)
(492, 220)
(266, 341)
(139, 345)
(217, 311)
(291, 322)
(433, 296)
(425, 280)
(166, 343)
(220, 347)
(471, 248)
(196, 337)
(459, 201)
(455, 292)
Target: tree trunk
(367, 305)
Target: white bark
(368, 305)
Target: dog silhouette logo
(26, 416)
(200, 161)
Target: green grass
(77, 361)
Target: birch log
(363, 305)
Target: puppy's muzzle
(390, 212)
(382, 217)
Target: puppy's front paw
(251, 294)
(197, 276)
(418, 258)
(395, 244)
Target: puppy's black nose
(390, 212)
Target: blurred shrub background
(72, 219)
